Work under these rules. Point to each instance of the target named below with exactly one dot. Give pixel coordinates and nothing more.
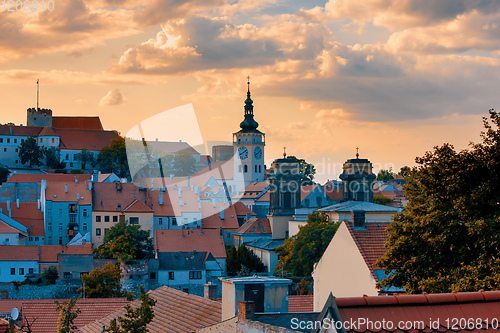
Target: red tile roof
(107, 196)
(300, 303)
(370, 242)
(47, 131)
(219, 170)
(175, 311)
(255, 226)
(214, 221)
(48, 253)
(242, 210)
(19, 252)
(187, 240)
(28, 215)
(46, 312)
(20, 130)
(137, 207)
(89, 123)
(56, 191)
(253, 190)
(50, 177)
(161, 210)
(332, 193)
(7, 229)
(75, 139)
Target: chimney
(17, 203)
(77, 195)
(38, 201)
(10, 129)
(213, 203)
(210, 291)
(65, 188)
(199, 205)
(8, 208)
(163, 188)
(246, 311)
(222, 213)
(152, 183)
(95, 178)
(358, 218)
(76, 180)
(180, 202)
(161, 198)
(196, 190)
(90, 184)
(188, 180)
(171, 176)
(180, 191)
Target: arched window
(256, 168)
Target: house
(187, 240)
(346, 267)
(253, 229)
(17, 261)
(452, 312)
(175, 311)
(71, 260)
(187, 271)
(29, 215)
(256, 197)
(264, 248)
(226, 222)
(12, 232)
(373, 212)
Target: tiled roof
(89, 123)
(214, 221)
(46, 312)
(370, 242)
(187, 240)
(137, 207)
(306, 190)
(175, 311)
(300, 303)
(48, 253)
(253, 190)
(332, 193)
(242, 210)
(349, 206)
(107, 196)
(255, 226)
(49, 177)
(20, 130)
(424, 310)
(10, 226)
(75, 139)
(19, 252)
(28, 215)
(161, 210)
(77, 192)
(47, 131)
(219, 170)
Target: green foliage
(53, 158)
(135, 320)
(50, 275)
(307, 169)
(404, 171)
(184, 164)
(113, 158)
(67, 316)
(300, 252)
(385, 175)
(381, 200)
(4, 174)
(242, 261)
(304, 287)
(85, 157)
(126, 242)
(447, 237)
(104, 283)
(30, 152)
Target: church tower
(357, 179)
(248, 145)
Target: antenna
(14, 314)
(37, 93)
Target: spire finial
(248, 83)
(37, 94)
(284, 152)
(357, 152)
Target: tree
(184, 164)
(4, 174)
(50, 275)
(127, 242)
(299, 253)
(304, 287)
(381, 200)
(113, 158)
(53, 158)
(307, 169)
(67, 316)
(385, 175)
(104, 283)
(404, 171)
(242, 261)
(85, 157)
(30, 152)
(447, 237)
(136, 320)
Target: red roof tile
(20, 130)
(107, 196)
(7, 229)
(137, 207)
(89, 123)
(28, 215)
(214, 221)
(175, 311)
(19, 252)
(300, 303)
(242, 210)
(47, 131)
(50, 177)
(370, 242)
(305, 190)
(48, 253)
(187, 240)
(56, 191)
(161, 210)
(255, 226)
(75, 139)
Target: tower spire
(249, 124)
(37, 93)
(357, 152)
(284, 152)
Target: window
(98, 231)
(5, 150)
(72, 218)
(66, 157)
(115, 218)
(15, 140)
(174, 221)
(106, 218)
(67, 275)
(31, 239)
(134, 220)
(98, 218)
(22, 140)
(84, 212)
(60, 240)
(160, 221)
(30, 270)
(60, 211)
(17, 150)
(60, 226)
(260, 170)
(36, 239)
(8, 140)
(21, 271)
(49, 212)
(152, 276)
(12, 271)
(256, 168)
(194, 275)
(49, 227)
(106, 230)
(84, 227)
(245, 168)
(41, 140)
(71, 164)
(171, 275)
(53, 140)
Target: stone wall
(60, 290)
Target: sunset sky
(394, 77)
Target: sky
(392, 77)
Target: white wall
(10, 239)
(6, 265)
(342, 271)
(294, 227)
(180, 278)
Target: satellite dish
(14, 314)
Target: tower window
(255, 168)
(245, 168)
(260, 170)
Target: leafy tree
(53, 158)
(85, 157)
(50, 275)
(307, 169)
(136, 320)
(304, 287)
(300, 252)
(184, 164)
(104, 283)
(113, 158)
(4, 174)
(67, 316)
(385, 175)
(381, 200)
(243, 261)
(447, 237)
(127, 242)
(404, 171)
(30, 152)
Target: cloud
(113, 97)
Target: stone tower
(357, 179)
(39, 117)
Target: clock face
(243, 152)
(257, 153)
